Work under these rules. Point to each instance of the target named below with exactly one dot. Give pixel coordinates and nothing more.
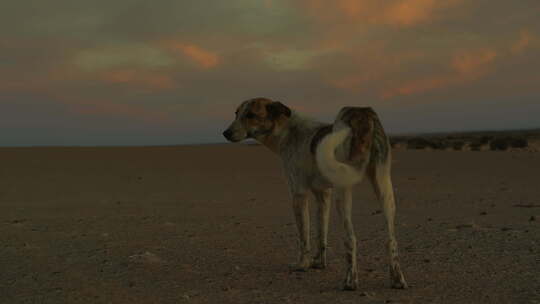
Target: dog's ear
(276, 109)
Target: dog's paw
(397, 280)
(351, 281)
(319, 262)
(303, 265)
(298, 267)
(319, 265)
(400, 285)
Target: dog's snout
(227, 134)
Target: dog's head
(256, 118)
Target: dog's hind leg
(301, 213)
(382, 184)
(323, 198)
(343, 201)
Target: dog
(325, 160)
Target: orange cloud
(403, 13)
(200, 56)
(139, 78)
(7, 85)
(465, 67)
(371, 66)
(268, 4)
(525, 39)
(420, 86)
(473, 63)
(410, 12)
(352, 8)
(40, 80)
(351, 82)
(349, 10)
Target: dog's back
(357, 141)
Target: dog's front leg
(323, 198)
(301, 213)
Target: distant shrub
(439, 144)
(458, 145)
(476, 145)
(500, 144)
(485, 139)
(418, 143)
(518, 142)
(394, 142)
(503, 143)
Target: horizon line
(252, 141)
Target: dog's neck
(282, 129)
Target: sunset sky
(137, 72)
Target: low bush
(439, 144)
(499, 144)
(485, 139)
(458, 145)
(418, 143)
(476, 145)
(518, 142)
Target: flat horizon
(251, 141)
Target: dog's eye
(250, 115)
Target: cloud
(313, 54)
(105, 108)
(350, 82)
(202, 57)
(524, 41)
(465, 67)
(288, 58)
(420, 86)
(268, 4)
(365, 69)
(400, 13)
(149, 80)
(412, 12)
(473, 63)
(126, 55)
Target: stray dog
(318, 157)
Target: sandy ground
(213, 224)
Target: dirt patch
(180, 225)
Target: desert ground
(214, 224)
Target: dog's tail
(357, 141)
(339, 173)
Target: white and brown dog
(318, 157)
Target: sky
(137, 72)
